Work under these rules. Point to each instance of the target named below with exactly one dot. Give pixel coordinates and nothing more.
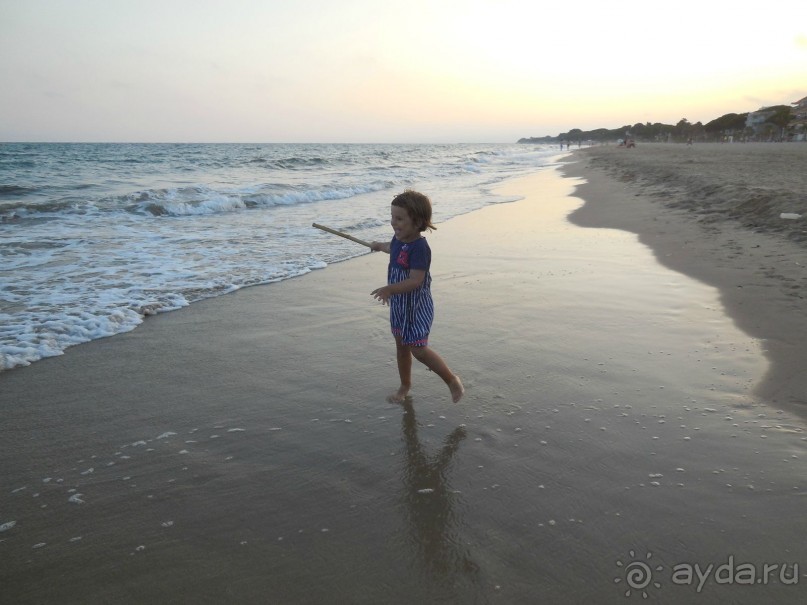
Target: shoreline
(756, 260)
(242, 448)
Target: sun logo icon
(637, 574)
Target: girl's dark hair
(417, 206)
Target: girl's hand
(379, 247)
(382, 294)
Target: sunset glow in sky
(386, 71)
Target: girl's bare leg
(404, 356)
(432, 360)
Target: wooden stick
(340, 234)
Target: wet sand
(611, 425)
(714, 212)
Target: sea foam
(94, 238)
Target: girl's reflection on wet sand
(429, 501)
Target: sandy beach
(632, 428)
(714, 212)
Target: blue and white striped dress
(411, 314)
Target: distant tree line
(731, 124)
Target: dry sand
(611, 425)
(713, 211)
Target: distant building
(756, 120)
(798, 120)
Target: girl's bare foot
(456, 388)
(399, 396)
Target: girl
(408, 292)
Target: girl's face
(405, 228)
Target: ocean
(94, 237)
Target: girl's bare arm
(415, 279)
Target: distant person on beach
(408, 292)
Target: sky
(386, 71)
